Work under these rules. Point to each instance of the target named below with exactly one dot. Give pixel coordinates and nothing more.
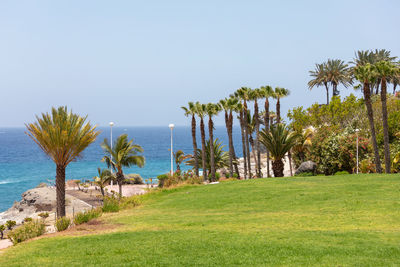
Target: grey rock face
(307, 166)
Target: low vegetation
(86, 216)
(62, 224)
(343, 220)
(30, 229)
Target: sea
(23, 165)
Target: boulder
(307, 166)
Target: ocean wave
(6, 182)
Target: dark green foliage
(110, 204)
(342, 173)
(43, 215)
(305, 174)
(27, 231)
(2, 228)
(84, 217)
(62, 224)
(10, 224)
(27, 219)
(161, 180)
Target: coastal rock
(307, 166)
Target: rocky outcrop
(307, 166)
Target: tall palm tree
(278, 94)
(267, 92)
(212, 110)
(228, 105)
(320, 78)
(191, 111)
(338, 72)
(278, 141)
(201, 112)
(124, 153)
(395, 80)
(251, 128)
(385, 70)
(63, 136)
(239, 109)
(244, 94)
(365, 75)
(103, 178)
(254, 96)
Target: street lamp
(171, 126)
(357, 130)
(111, 143)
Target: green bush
(10, 224)
(342, 173)
(217, 176)
(2, 228)
(235, 175)
(227, 175)
(43, 215)
(62, 224)
(84, 217)
(304, 174)
(28, 219)
(130, 202)
(134, 178)
(27, 231)
(110, 204)
(161, 180)
(195, 180)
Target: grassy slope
(324, 221)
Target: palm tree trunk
(394, 88)
(60, 191)
(327, 93)
(266, 121)
(258, 166)
(196, 160)
(243, 144)
(227, 122)
(290, 163)
(278, 111)
(251, 140)
(212, 159)
(203, 148)
(102, 191)
(385, 126)
(246, 132)
(277, 167)
(230, 135)
(377, 86)
(368, 104)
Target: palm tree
(278, 141)
(304, 143)
(180, 157)
(221, 157)
(320, 78)
(267, 92)
(191, 111)
(244, 94)
(124, 153)
(212, 110)
(239, 109)
(201, 111)
(278, 94)
(228, 105)
(103, 178)
(251, 127)
(254, 96)
(63, 136)
(338, 72)
(365, 75)
(385, 70)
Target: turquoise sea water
(23, 165)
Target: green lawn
(350, 220)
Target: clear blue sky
(137, 62)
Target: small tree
(104, 177)
(10, 224)
(2, 228)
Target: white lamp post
(111, 143)
(357, 130)
(171, 126)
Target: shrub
(27, 219)
(27, 231)
(10, 224)
(134, 178)
(130, 202)
(194, 180)
(304, 174)
(43, 215)
(161, 180)
(62, 224)
(342, 173)
(110, 204)
(217, 176)
(84, 217)
(235, 176)
(227, 175)
(2, 228)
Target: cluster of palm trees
(236, 105)
(373, 70)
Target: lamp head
(111, 124)
(171, 126)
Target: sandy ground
(5, 243)
(128, 190)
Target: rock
(307, 166)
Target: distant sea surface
(23, 165)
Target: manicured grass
(315, 221)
